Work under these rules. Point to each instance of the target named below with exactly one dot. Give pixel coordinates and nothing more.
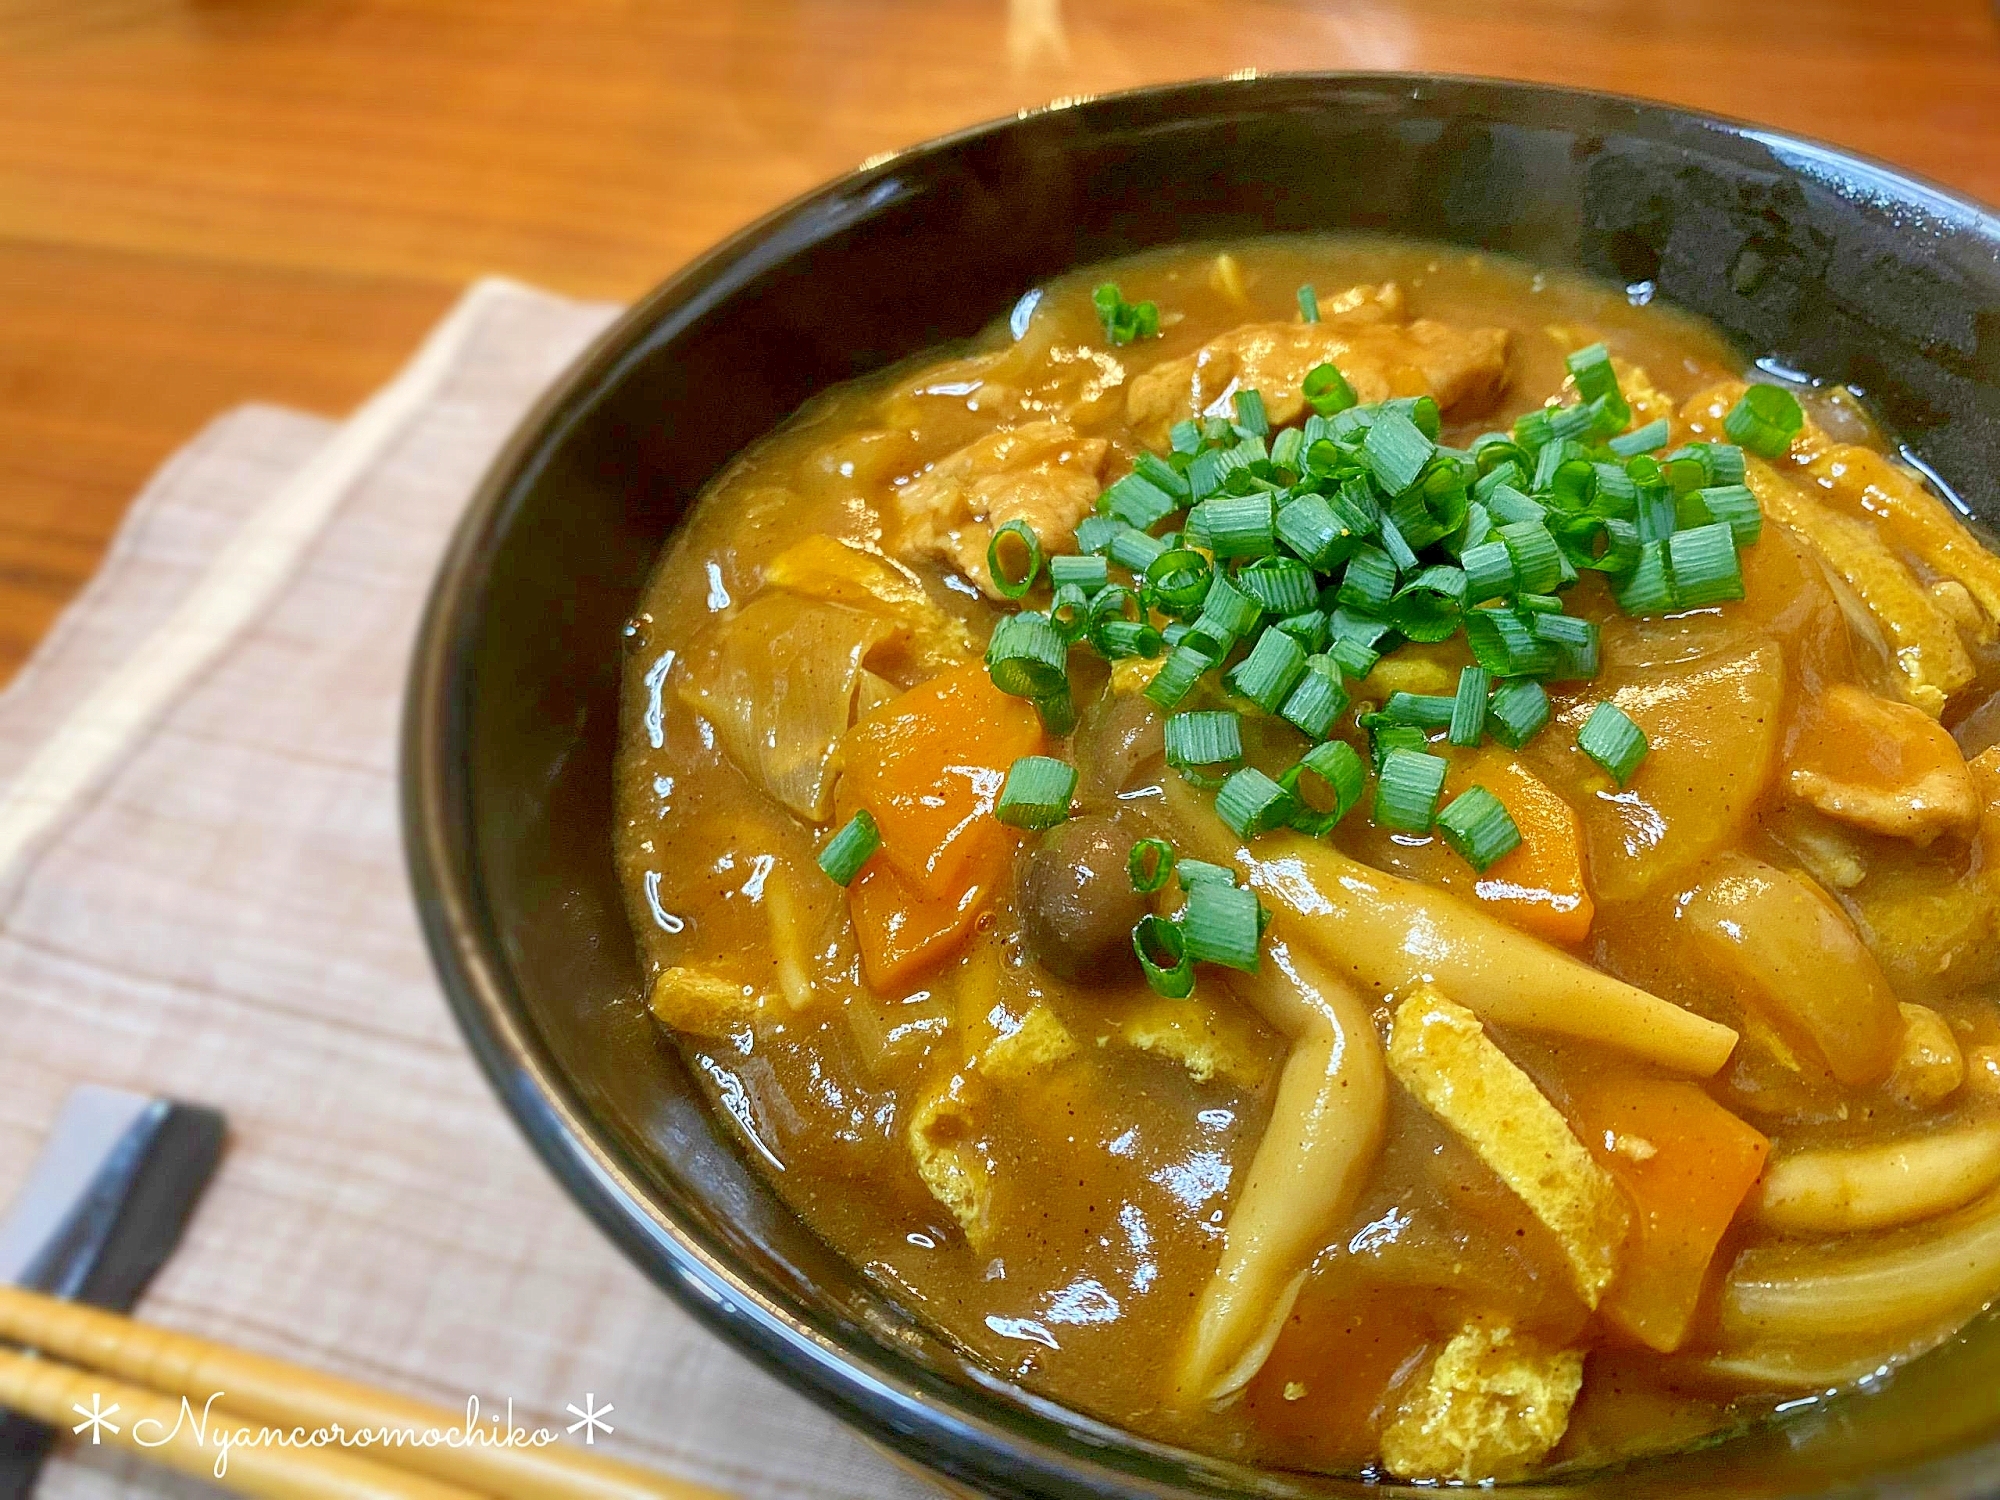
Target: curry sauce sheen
(1687, 1105)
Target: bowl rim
(922, 1418)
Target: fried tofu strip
(1861, 482)
(1204, 1038)
(1310, 1167)
(1386, 934)
(1493, 1403)
(1928, 653)
(944, 1136)
(1442, 1055)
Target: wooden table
(204, 202)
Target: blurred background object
(203, 201)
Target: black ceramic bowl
(1836, 266)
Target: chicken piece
(1929, 1067)
(944, 1140)
(1439, 1051)
(1886, 767)
(1929, 656)
(822, 567)
(1862, 483)
(1208, 1040)
(1462, 368)
(1493, 1402)
(1982, 1071)
(1035, 1041)
(701, 1003)
(1042, 473)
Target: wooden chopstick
(285, 1396)
(54, 1393)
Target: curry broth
(1113, 1167)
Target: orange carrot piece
(928, 766)
(899, 931)
(1686, 1162)
(1540, 887)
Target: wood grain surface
(204, 202)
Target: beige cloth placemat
(202, 894)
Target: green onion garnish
(1079, 570)
(1185, 436)
(1649, 588)
(1610, 738)
(1575, 638)
(1536, 557)
(1177, 581)
(1427, 608)
(1222, 925)
(1280, 585)
(1163, 956)
(1319, 699)
(1124, 321)
(1057, 710)
(1507, 646)
(848, 850)
(1251, 802)
(1178, 674)
(1237, 525)
(1396, 450)
(1477, 824)
(1308, 627)
(1286, 449)
(1010, 582)
(1326, 390)
(1308, 303)
(1270, 672)
(1342, 775)
(1382, 738)
(1028, 656)
(1704, 565)
(1150, 864)
(1489, 571)
(1369, 582)
(1117, 639)
(1192, 872)
(1736, 507)
(1132, 548)
(1137, 501)
(1597, 383)
(1648, 439)
(1517, 713)
(1036, 793)
(1468, 707)
(1069, 612)
(1205, 737)
(1251, 420)
(1425, 710)
(1406, 791)
(1765, 419)
(1353, 656)
(1161, 475)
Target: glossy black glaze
(1836, 266)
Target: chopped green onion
(1736, 506)
(1307, 627)
(1517, 713)
(1704, 564)
(1394, 543)
(1610, 738)
(1177, 581)
(1648, 439)
(1489, 571)
(1223, 924)
(1162, 949)
(1036, 793)
(1765, 419)
(1150, 864)
(1192, 872)
(1271, 670)
(1117, 639)
(1028, 656)
(1132, 548)
(1286, 448)
(1509, 505)
(1426, 710)
(1229, 609)
(1124, 321)
(1406, 792)
(1057, 710)
(1533, 429)
(1236, 525)
(1178, 674)
(1161, 475)
(1010, 583)
(1079, 569)
(1251, 420)
(1427, 608)
(1649, 587)
(1354, 657)
(1468, 707)
(1536, 557)
(1725, 463)
(1396, 450)
(1370, 580)
(1326, 390)
(1251, 802)
(1137, 501)
(1280, 585)
(1575, 638)
(1340, 770)
(1069, 612)
(1382, 738)
(1094, 533)
(1308, 303)
(1205, 737)
(1477, 824)
(1318, 700)
(1597, 382)
(1185, 436)
(1506, 645)
(848, 850)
